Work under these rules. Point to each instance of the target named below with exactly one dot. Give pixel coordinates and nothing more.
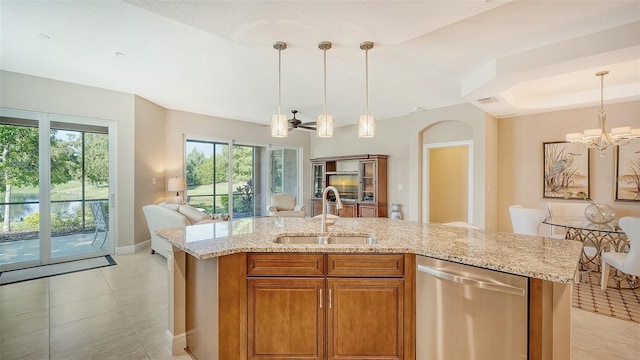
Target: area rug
(623, 303)
(39, 272)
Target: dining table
(596, 238)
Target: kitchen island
(220, 273)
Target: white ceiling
(216, 57)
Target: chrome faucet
(324, 205)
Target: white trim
(425, 176)
(175, 344)
(122, 250)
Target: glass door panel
(367, 181)
(207, 174)
(243, 181)
(79, 177)
(19, 192)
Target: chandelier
(600, 138)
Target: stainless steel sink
(326, 240)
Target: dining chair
(526, 221)
(628, 263)
(101, 219)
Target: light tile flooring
(120, 312)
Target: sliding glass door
(224, 181)
(58, 166)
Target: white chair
(628, 263)
(284, 205)
(101, 220)
(526, 221)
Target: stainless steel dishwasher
(465, 312)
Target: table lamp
(177, 184)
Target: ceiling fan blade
(305, 126)
(310, 123)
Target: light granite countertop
(531, 256)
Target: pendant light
(366, 123)
(279, 121)
(324, 125)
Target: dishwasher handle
(507, 289)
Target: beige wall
(507, 152)
(150, 181)
(520, 157)
(402, 139)
(149, 139)
(182, 125)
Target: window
(209, 169)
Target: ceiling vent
(487, 100)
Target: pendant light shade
(324, 125)
(279, 122)
(366, 123)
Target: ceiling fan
(297, 124)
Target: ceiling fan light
(366, 126)
(279, 125)
(324, 126)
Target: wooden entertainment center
(361, 181)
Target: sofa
(171, 215)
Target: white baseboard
(122, 250)
(176, 344)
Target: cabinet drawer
(285, 264)
(354, 265)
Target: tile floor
(120, 312)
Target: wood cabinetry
(329, 306)
(348, 209)
(360, 179)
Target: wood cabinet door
(348, 210)
(365, 319)
(368, 211)
(316, 208)
(285, 318)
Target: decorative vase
(599, 213)
(395, 212)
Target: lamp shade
(279, 125)
(366, 126)
(176, 184)
(324, 126)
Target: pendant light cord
(279, 79)
(325, 80)
(366, 77)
